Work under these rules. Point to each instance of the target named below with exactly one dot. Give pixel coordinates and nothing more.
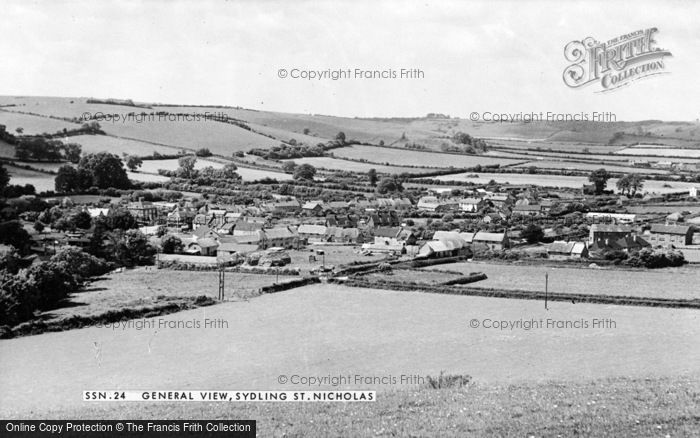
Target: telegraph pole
(221, 281)
(546, 289)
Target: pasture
(321, 329)
(354, 166)
(574, 165)
(42, 182)
(408, 157)
(658, 283)
(118, 146)
(575, 182)
(33, 125)
(661, 152)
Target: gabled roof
(561, 247)
(387, 231)
(312, 229)
(605, 228)
(279, 233)
(483, 236)
(670, 229)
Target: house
(694, 191)
(343, 235)
(444, 244)
(434, 249)
(180, 217)
(242, 228)
(383, 219)
(206, 247)
(143, 211)
(227, 251)
(494, 241)
(282, 237)
(312, 233)
(601, 232)
(471, 205)
(428, 203)
(205, 232)
(622, 218)
(342, 220)
(312, 208)
(501, 200)
(670, 235)
(283, 207)
(561, 250)
(531, 210)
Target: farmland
(33, 125)
(663, 283)
(354, 166)
(661, 152)
(323, 329)
(559, 181)
(41, 181)
(407, 157)
(571, 165)
(104, 143)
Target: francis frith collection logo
(616, 62)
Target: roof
(240, 248)
(605, 228)
(561, 247)
(470, 200)
(207, 243)
(311, 205)
(436, 246)
(527, 207)
(312, 229)
(387, 231)
(279, 233)
(670, 229)
(482, 236)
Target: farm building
(471, 205)
(313, 208)
(312, 233)
(601, 232)
(230, 250)
(444, 244)
(670, 235)
(531, 210)
(205, 246)
(432, 203)
(282, 237)
(622, 218)
(561, 250)
(494, 241)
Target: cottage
(313, 208)
(313, 233)
(530, 210)
(471, 205)
(205, 247)
(281, 237)
(143, 211)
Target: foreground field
(322, 329)
(661, 283)
(606, 407)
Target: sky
(490, 56)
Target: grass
(119, 146)
(407, 157)
(661, 151)
(354, 166)
(560, 181)
(432, 277)
(147, 286)
(661, 283)
(41, 181)
(335, 255)
(572, 165)
(33, 125)
(607, 407)
(324, 328)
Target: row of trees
(630, 183)
(43, 149)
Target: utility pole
(221, 281)
(546, 289)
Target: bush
(79, 264)
(447, 381)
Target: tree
(71, 152)
(106, 170)
(305, 171)
(389, 184)
(4, 177)
(39, 226)
(130, 248)
(229, 171)
(623, 183)
(14, 234)
(532, 233)
(66, 180)
(289, 166)
(203, 152)
(636, 183)
(171, 244)
(186, 169)
(599, 178)
(340, 137)
(19, 130)
(133, 162)
(80, 264)
(372, 175)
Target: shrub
(444, 381)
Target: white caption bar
(230, 396)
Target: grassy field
(336, 255)
(119, 146)
(322, 329)
(146, 286)
(573, 165)
(32, 125)
(607, 407)
(560, 181)
(354, 166)
(661, 283)
(660, 151)
(407, 157)
(41, 181)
